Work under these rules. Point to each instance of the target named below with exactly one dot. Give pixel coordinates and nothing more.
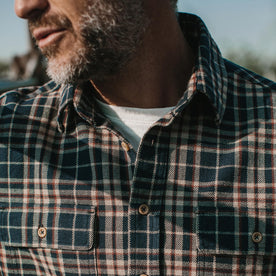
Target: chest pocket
(54, 227)
(236, 232)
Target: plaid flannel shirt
(198, 198)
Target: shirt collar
(209, 77)
(75, 99)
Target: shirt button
(125, 146)
(42, 232)
(144, 209)
(257, 237)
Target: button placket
(146, 195)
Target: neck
(158, 74)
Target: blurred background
(245, 31)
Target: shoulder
(30, 106)
(251, 98)
(26, 98)
(27, 93)
(243, 79)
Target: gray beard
(111, 32)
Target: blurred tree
(31, 65)
(253, 62)
(4, 67)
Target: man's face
(84, 39)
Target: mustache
(49, 21)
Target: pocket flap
(56, 227)
(237, 232)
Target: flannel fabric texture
(198, 198)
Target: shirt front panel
(74, 184)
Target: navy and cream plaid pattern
(72, 192)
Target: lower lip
(50, 39)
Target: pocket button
(257, 237)
(42, 232)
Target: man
(149, 154)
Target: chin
(68, 69)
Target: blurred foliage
(4, 67)
(254, 62)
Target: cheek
(70, 8)
(71, 44)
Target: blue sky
(233, 23)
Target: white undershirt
(132, 122)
